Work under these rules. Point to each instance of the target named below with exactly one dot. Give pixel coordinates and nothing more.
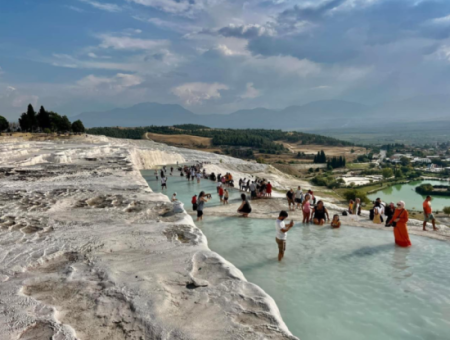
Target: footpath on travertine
(88, 251)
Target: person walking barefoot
(428, 214)
(281, 230)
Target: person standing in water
(306, 208)
(225, 196)
(428, 214)
(299, 197)
(400, 229)
(290, 198)
(221, 194)
(245, 207)
(282, 229)
(202, 199)
(163, 183)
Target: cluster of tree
(240, 153)
(437, 190)
(116, 132)
(4, 124)
(328, 181)
(336, 162)
(320, 158)
(364, 158)
(47, 121)
(392, 148)
(191, 127)
(353, 194)
(302, 155)
(258, 136)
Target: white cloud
(75, 9)
(321, 87)
(133, 44)
(113, 8)
(285, 65)
(226, 51)
(10, 89)
(112, 85)
(187, 7)
(96, 56)
(442, 53)
(250, 92)
(196, 93)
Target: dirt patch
(180, 140)
(330, 151)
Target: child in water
(335, 223)
(225, 196)
(306, 208)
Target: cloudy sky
(217, 56)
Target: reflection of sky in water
(406, 192)
(351, 283)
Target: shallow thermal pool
(350, 283)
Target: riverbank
(90, 252)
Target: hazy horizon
(217, 56)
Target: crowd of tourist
(392, 215)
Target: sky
(218, 56)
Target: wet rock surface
(88, 251)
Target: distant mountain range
(333, 114)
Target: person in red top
(194, 202)
(221, 194)
(428, 214)
(269, 189)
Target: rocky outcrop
(88, 251)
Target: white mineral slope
(88, 251)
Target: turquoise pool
(350, 283)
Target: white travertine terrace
(88, 251)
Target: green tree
(43, 119)
(4, 125)
(31, 116)
(55, 121)
(24, 122)
(446, 210)
(64, 124)
(77, 126)
(387, 173)
(405, 161)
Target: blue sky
(217, 56)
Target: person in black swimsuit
(320, 214)
(245, 207)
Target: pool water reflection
(349, 283)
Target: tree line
(45, 121)
(332, 163)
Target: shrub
(446, 210)
(353, 194)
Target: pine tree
(43, 119)
(31, 116)
(24, 122)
